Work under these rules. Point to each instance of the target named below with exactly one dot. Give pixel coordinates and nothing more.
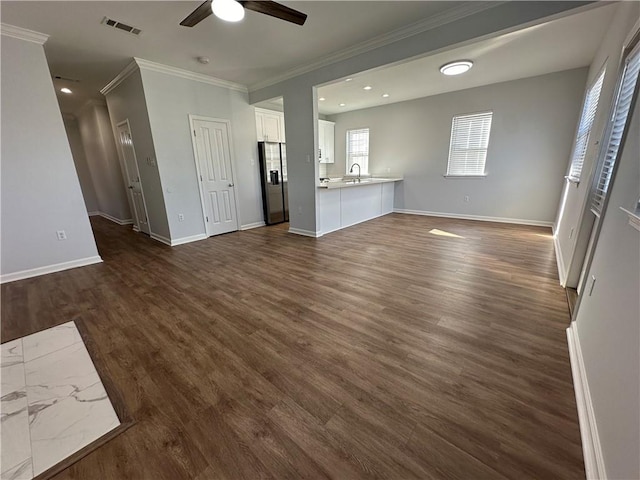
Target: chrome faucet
(351, 169)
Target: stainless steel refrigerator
(273, 171)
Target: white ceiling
(255, 50)
(562, 44)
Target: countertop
(355, 183)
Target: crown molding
(23, 34)
(197, 77)
(121, 77)
(421, 26)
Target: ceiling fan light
(456, 68)
(228, 10)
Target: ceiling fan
(233, 11)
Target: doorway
(134, 185)
(212, 151)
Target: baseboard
(353, 224)
(160, 238)
(58, 267)
(591, 449)
(562, 271)
(249, 226)
(119, 221)
(192, 238)
(481, 218)
(304, 233)
(93, 214)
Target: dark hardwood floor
(379, 351)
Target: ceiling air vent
(121, 26)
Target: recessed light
(348, 79)
(456, 68)
(203, 60)
(66, 90)
(343, 104)
(322, 99)
(368, 87)
(385, 95)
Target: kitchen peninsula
(348, 201)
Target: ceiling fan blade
(199, 14)
(275, 9)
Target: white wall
(170, 99)
(127, 101)
(80, 161)
(574, 214)
(102, 159)
(608, 320)
(531, 134)
(40, 189)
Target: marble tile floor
(52, 404)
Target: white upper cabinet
(326, 139)
(270, 125)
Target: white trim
(197, 77)
(422, 26)
(249, 226)
(121, 77)
(304, 233)
(192, 238)
(160, 238)
(481, 218)
(591, 449)
(93, 214)
(23, 34)
(562, 270)
(128, 221)
(57, 267)
(321, 234)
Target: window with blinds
(358, 150)
(616, 131)
(584, 128)
(469, 143)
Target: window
(584, 128)
(358, 149)
(469, 143)
(616, 130)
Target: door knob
(130, 187)
(231, 184)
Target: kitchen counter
(355, 183)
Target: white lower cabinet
(343, 207)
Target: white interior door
(213, 157)
(133, 178)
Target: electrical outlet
(253, 162)
(61, 234)
(466, 199)
(388, 170)
(299, 210)
(181, 217)
(571, 233)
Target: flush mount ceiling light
(66, 90)
(368, 87)
(228, 10)
(456, 68)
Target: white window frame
(457, 123)
(587, 119)
(364, 164)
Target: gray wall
(533, 125)
(127, 101)
(40, 189)
(574, 214)
(170, 100)
(102, 159)
(80, 161)
(608, 320)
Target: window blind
(619, 120)
(358, 149)
(469, 143)
(589, 110)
